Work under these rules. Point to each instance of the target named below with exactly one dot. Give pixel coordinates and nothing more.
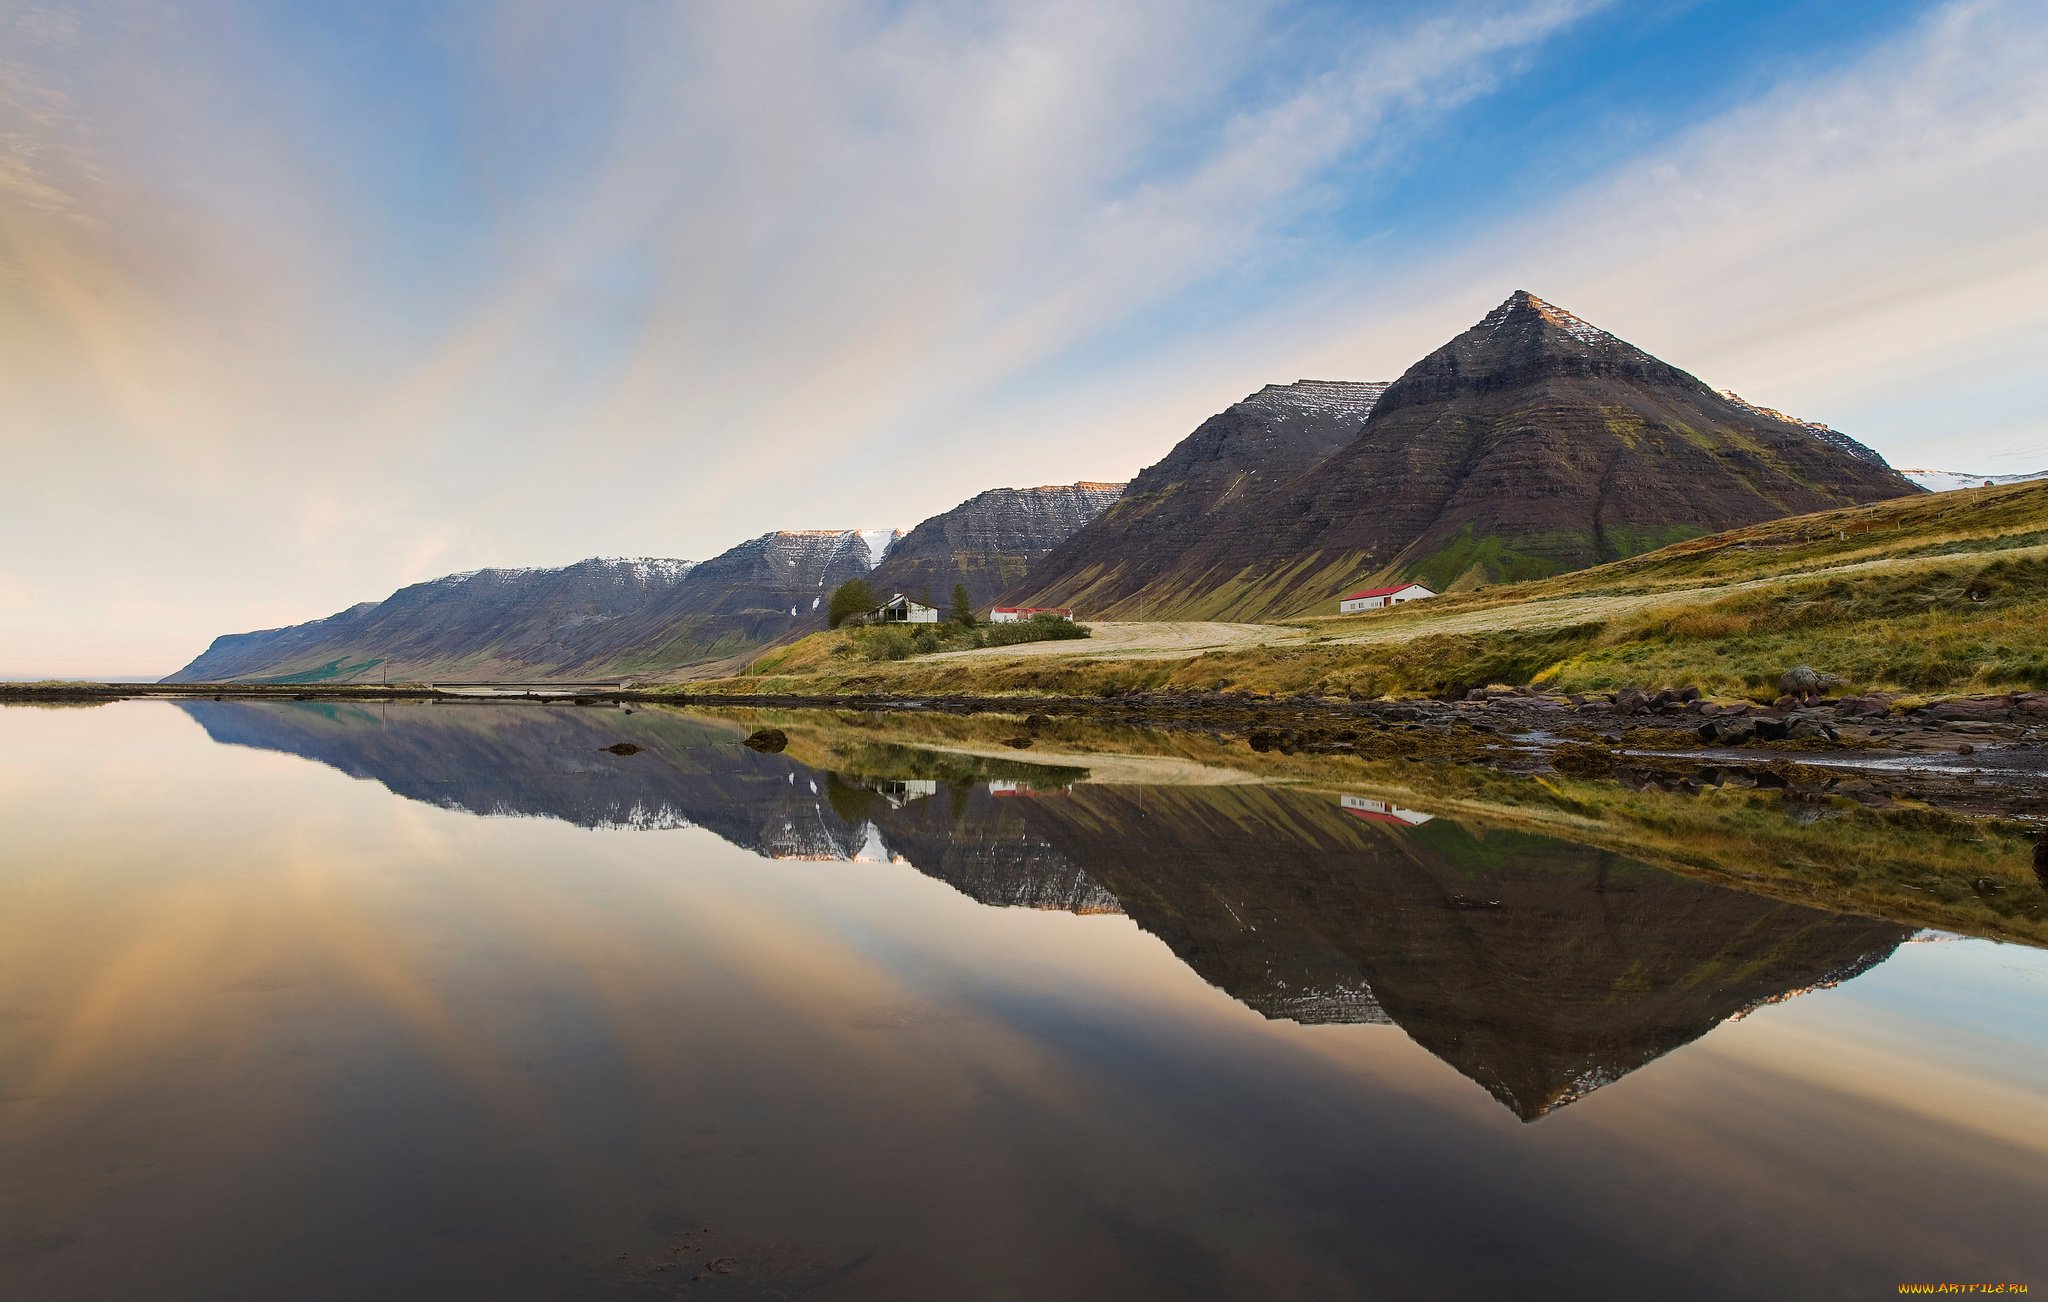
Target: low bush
(1039, 628)
(902, 641)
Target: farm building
(900, 609)
(1012, 614)
(1380, 598)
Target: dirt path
(1184, 639)
(1156, 640)
(1562, 611)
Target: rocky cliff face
(484, 624)
(738, 600)
(1269, 438)
(594, 619)
(989, 542)
(1532, 444)
(610, 618)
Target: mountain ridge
(1275, 433)
(477, 621)
(990, 541)
(610, 617)
(1532, 443)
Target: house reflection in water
(1379, 811)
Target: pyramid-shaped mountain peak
(1522, 303)
(1525, 320)
(1532, 443)
(1526, 341)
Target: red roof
(1380, 592)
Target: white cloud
(778, 263)
(806, 265)
(1865, 249)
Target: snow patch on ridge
(880, 542)
(1773, 412)
(1583, 331)
(651, 569)
(1340, 397)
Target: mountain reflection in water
(1540, 969)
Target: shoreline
(1976, 766)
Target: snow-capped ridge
(657, 569)
(1336, 397)
(1583, 331)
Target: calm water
(308, 1001)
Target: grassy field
(1939, 594)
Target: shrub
(1039, 628)
(853, 597)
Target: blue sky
(302, 302)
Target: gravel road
(1156, 640)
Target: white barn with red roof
(1380, 598)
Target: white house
(902, 610)
(1012, 614)
(1380, 598)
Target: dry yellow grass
(1942, 593)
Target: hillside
(1530, 445)
(989, 542)
(1925, 594)
(1268, 438)
(486, 623)
(608, 618)
(597, 618)
(736, 601)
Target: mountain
(1532, 444)
(611, 618)
(989, 542)
(486, 623)
(1947, 481)
(736, 602)
(1270, 437)
(595, 619)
